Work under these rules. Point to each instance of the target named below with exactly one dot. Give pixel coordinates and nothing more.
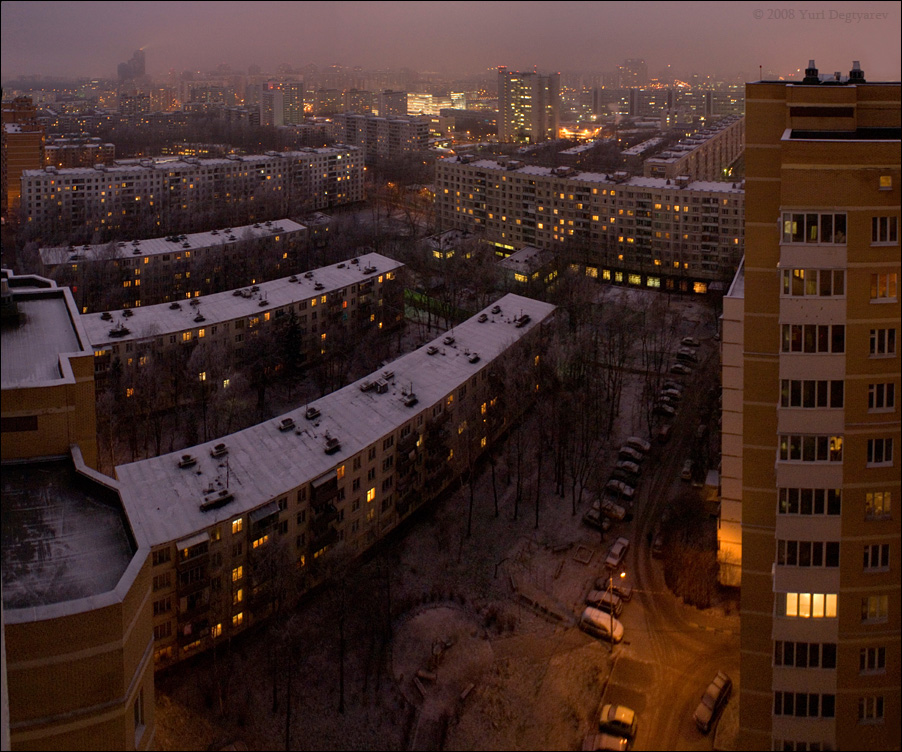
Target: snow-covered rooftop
(603, 178)
(264, 462)
(168, 244)
(48, 328)
(167, 318)
(64, 537)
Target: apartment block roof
(104, 329)
(47, 331)
(170, 244)
(65, 535)
(262, 462)
(607, 180)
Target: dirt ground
(461, 664)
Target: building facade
(330, 303)
(169, 192)
(649, 232)
(820, 621)
(231, 520)
(77, 633)
(382, 137)
(704, 155)
(528, 106)
(178, 267)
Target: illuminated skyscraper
(528, 106)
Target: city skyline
(89, 39)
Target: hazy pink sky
(91, 38)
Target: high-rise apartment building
(21, 148)
(272, 106)
(817, 440)
(528, 106)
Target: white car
(599, 624)
(610, 509)
(619, 488)
(640, 445)
(628, 453)
(628, 467)
(689, 342)
(681, 369)
(686, 472)
(617, 553)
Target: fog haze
(88, 39)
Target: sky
(89, 39)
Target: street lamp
(611, 604)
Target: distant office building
(134, 68)
(173, 193)
(272, 107)
(392, 103)
(426, 104)
(811, 418)
(648, 232)
(702, 156)
(382, 137)
(528, 106)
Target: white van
(599, 624)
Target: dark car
(713, 701)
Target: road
(671, 651)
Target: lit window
(238, 619)
(237, 525)
(237, 573)
(371, 494)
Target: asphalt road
(671, 651)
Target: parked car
(620, 489)
(599, 624)
(619, 587)
(663, 434)
(605, 742)
(618, 720)
(606, 600)
(617, 553)
(712, 702)
(689, 342)
(687, 354)
(612, 510)
(662, 408)
(628, 453)
(681, 369)
(594, 518)
(657, 547)
(624, 476)
(628, 467)
(640, 445)
(672, 385)
(686, 472)
(674, 394)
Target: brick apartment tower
(820, 441)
